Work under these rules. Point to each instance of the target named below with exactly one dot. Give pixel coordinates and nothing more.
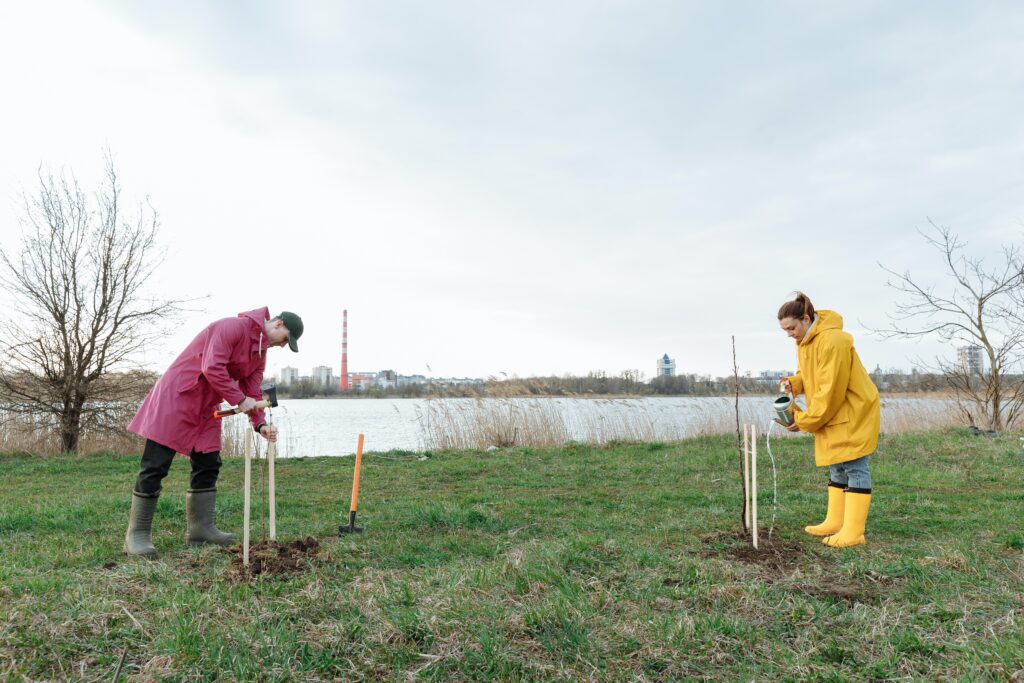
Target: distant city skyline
(294, 373)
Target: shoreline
(354, 397)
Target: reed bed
(234, 430)
(905, 415)
(41, 434)
(479, 423)
(232, 434)
(462, 424)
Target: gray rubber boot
(200, 507)
(138, 540)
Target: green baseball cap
(294, 325)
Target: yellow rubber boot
(834, 517)
(854, 519)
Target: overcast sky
(531, 187)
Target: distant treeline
(628, 383)
(129, 388)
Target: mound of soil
(775, 554)
(271, 558)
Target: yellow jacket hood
(843, 410)
(823, 321)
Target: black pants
(156, 463)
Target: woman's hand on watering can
(792, 427)
(786, 387)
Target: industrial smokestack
(344, 350)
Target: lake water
(331, 426)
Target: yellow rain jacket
(843, 412)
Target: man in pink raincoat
(225, 362)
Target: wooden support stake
(746, 479)
(248, 496)
(271, 458)
(753, 482)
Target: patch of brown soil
(868, 587)
(849, 594)
(776, 558)
(775, 554)
(270, 558)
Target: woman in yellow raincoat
(843, 414)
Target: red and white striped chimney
(344, 351)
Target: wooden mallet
(269, 402)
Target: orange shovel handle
(355, 477)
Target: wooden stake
(248, 496)
(753, 482)
(746, 478)
(271, 458)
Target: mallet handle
(218, 414)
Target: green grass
(618, 563)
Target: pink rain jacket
(224, 362)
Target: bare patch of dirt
(868, 587)
(849, 594)
(775, 554)
(778, 557)
(270, 558)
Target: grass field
(618, 563)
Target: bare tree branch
(80, 314)
(978, 307)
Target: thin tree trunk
(739, 438)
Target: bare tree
(979, 307)
(79, 314)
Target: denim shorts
(853, 475)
